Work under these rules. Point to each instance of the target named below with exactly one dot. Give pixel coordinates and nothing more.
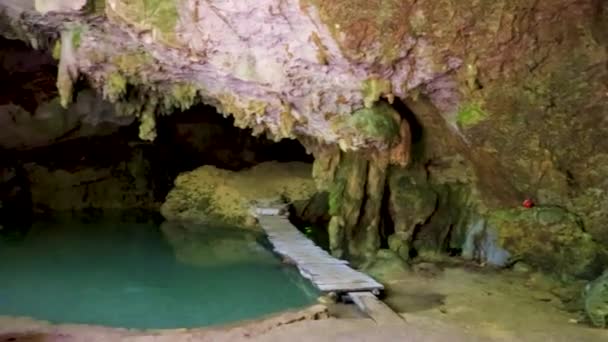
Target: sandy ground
(453, 304)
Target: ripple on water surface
(143, 276)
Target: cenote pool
(143, 275)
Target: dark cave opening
(85, 159)
(407, 114)
(201, 136)
(387, 225)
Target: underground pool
(143, 275)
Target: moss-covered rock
(412, 202)
(373, 89)
(386, 266)
(378, 125)
(595, 297)
(77, 175)
(376, 122)
(159, 16)
(215, 196)
(592, 207)
(549, 238)
(470, 115)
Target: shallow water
(134, 275)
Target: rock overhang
(278, 66)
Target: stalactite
(356, 181)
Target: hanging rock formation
(507, 100)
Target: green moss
(65, 87)
(373, 88)
(96, 6)
(160, 16)
(287, 122)
(115, 86)
(547, 237)
(181, 96)
(133, 63)
(77, 36)
(57, 50)
(376, 122)
(336, 193)
(470, 115)
(244, 112)
(147, 125)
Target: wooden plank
(343, 288)
(321, 268)
(375, 309)
(268, 211)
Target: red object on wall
(528, 203)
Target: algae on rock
(549, 238)
(412, 202)
(215, 196)
(356, 193)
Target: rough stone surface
(45, 6)
(215, 196)
(550, 238)
(279, 69)
(50, 123)
(514, 91)
(412, 202)
(127, 184)
(595, 296)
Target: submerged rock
(211, 195)
(214, 246)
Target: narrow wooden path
(327, 273)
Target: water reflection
(136, 275)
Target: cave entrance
(201, 136)
(87, 158)
(79, 198)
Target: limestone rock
(549, 238)
(45, 6)
(412, 202)
(89, 115)
(386, 266)
(215, 196)
(61, 187)
(595, 297)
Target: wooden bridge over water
(327, 273)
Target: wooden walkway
(327, 273)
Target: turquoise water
(141, 276)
